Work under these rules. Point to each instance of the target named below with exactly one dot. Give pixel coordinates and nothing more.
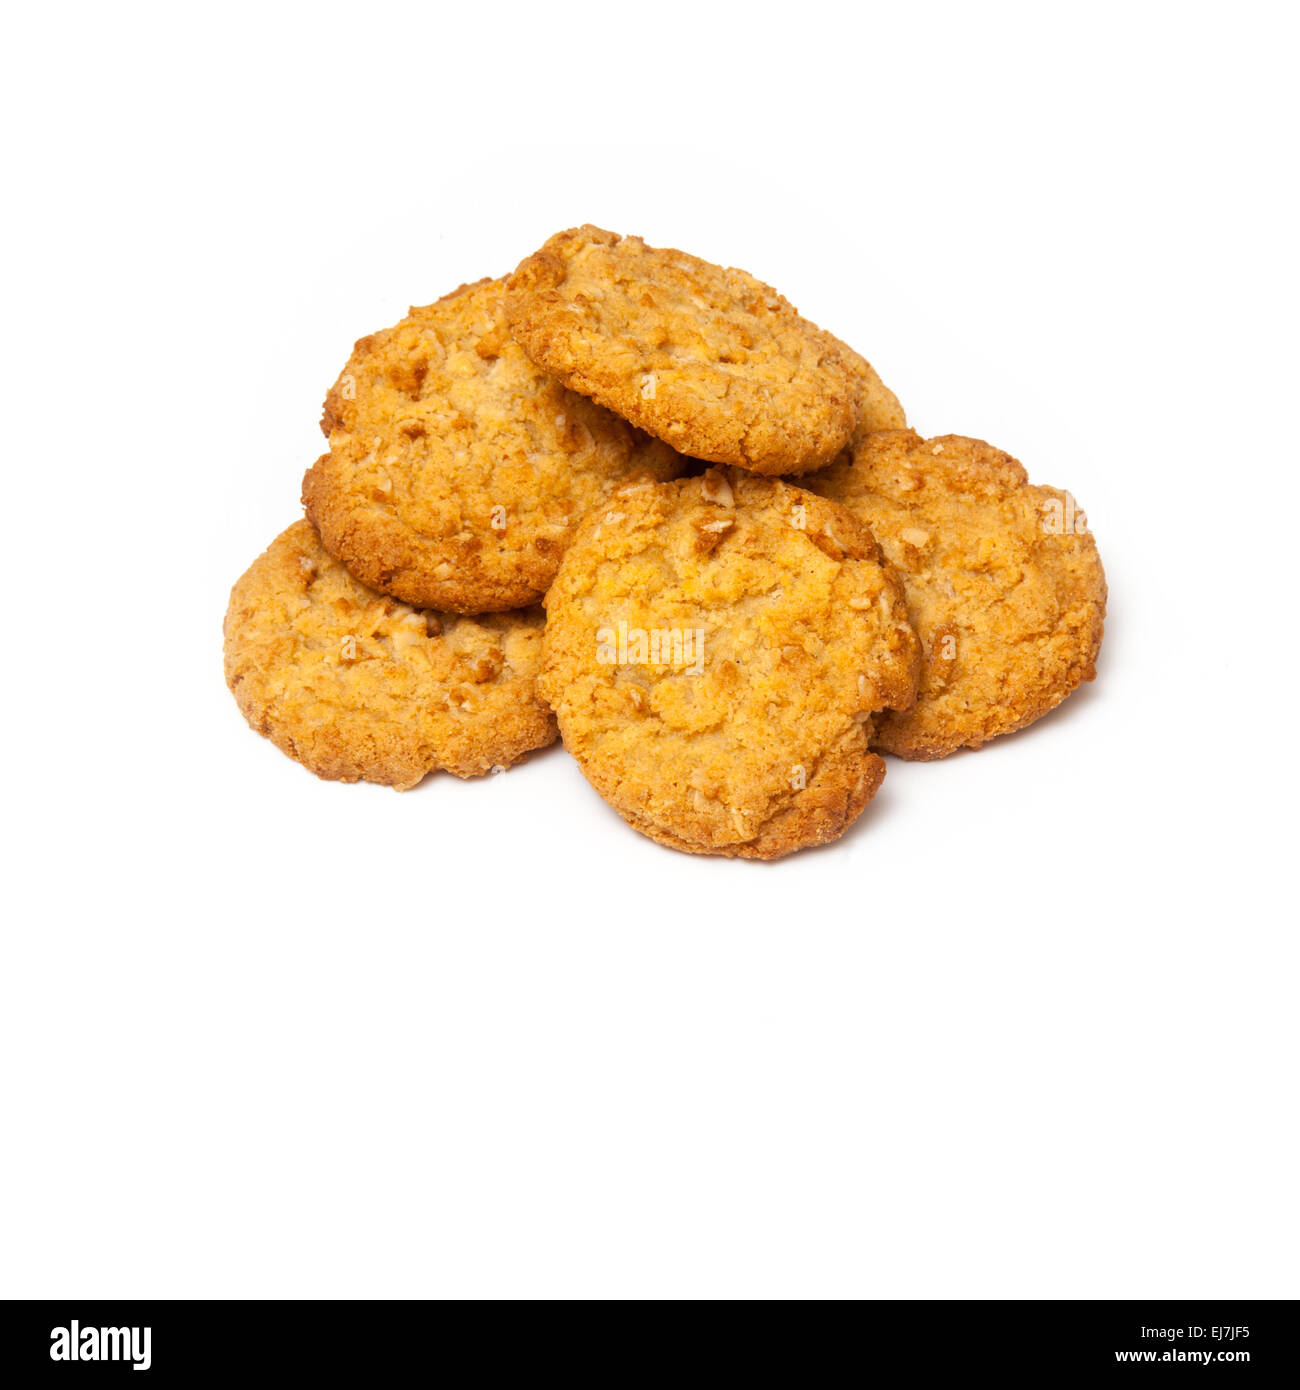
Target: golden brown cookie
(357, 685)
(711, 360)
(457, 470)
(1004, 584)
(715, 649)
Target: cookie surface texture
(709, 359)
(356, 685)
(457, 470)
(715, 650)
(1004, 584)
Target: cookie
(715, 650)
(1004, 584)
(711, 360)
(354, 684)
(457, 470)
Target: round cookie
(357, 685)
(1004, 584)
(457, 470)
(709, 359)
(715, 649)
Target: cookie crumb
(715, 488)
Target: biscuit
(711, 360)
(354, 684)
(715, 650)
(1004, 584)
(457, 470)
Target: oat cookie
(354, 684)
(1004, 584)
(709, 359)
(457, 470)
(715, 650)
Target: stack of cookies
(558, 502)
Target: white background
(1028, 1030)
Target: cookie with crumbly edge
(457, 470)
(1004, 584)
(715, 651)
(354, 684)
(707, 358)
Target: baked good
(709, 359)
(1004, 583)
(457, 469)
(715, 651)
(354, 684)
